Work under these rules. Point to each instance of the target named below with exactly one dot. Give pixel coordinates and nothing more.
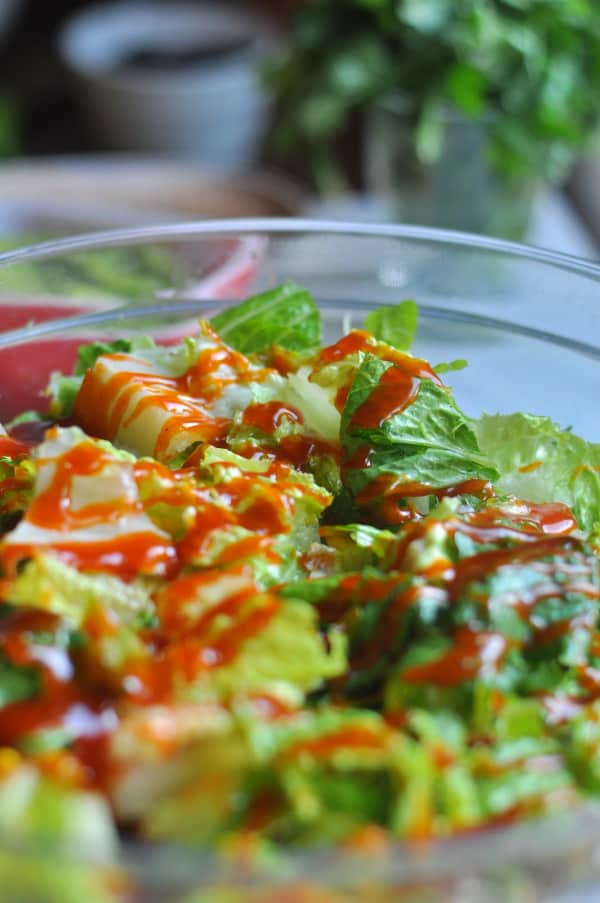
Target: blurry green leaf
(321, 114)
(425, 15)
(361, 69)
(529, 68)
(429, 134)
(466, 87)
(17, 682)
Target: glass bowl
(527, 321)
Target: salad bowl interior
(515, 331)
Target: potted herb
(465, 104)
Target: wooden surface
(148, 186)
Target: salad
(261, 594)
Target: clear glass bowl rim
(289, 228)
(283, 227)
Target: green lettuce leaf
(87, 355)
(306, 500)
(332, 770)
(17, 682)
(197, 793)
(451, 366)
(17, 478)
(313, 590)
(62, 392)
(71, 595)
(27, 878)
(359, 546)
(541, 647)
(289, 650)
(540, 462)
(35, 809)
(320, 415)
(429, 443)
(285, 316)
(57, 588)
(188, 795)
(448, 786)
(582, 747)
(395, 324)
(53, 586)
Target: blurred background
(480, 115)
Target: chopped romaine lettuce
(359, 546)
(94, 515)
(16, 489)
(265, 498)
(451, 366)
(447, 786)
(183, 790)
(427, 444)
(17, 682)
(35, 809)
(228, 635)
(395, 324)
(326, 772)
(542, 463)
(321, 417)
(63, 390)
(48, 583)
(290, 650)
(302, 596)
(285, 316)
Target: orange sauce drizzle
(60, 696)
(53, 508)
(395, 391)
(493, 525)
(528, 468)
(190, 646)
(104, 406)
(268, 416)
(12, 448)
(360, 340)
(463, 660)
(101, 405)
(125, 556)
(144, 552)
(341, 396)
(352, 736)
(477, 567)
(354, 341)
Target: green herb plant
(530, 69)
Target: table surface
(114, 189)
(555, 224)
